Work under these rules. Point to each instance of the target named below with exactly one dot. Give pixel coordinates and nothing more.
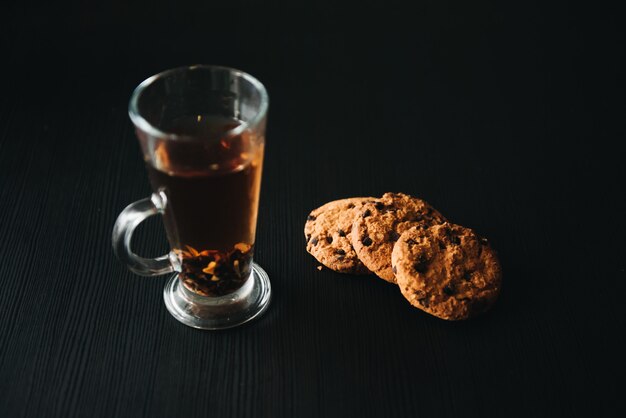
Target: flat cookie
(447, 270)
(327, 231)
(381, 223)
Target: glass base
(221, 312)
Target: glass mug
(202, 134)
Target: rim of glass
(141, 123)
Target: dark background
(510, 120)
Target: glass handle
(127, 221)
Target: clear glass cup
(202, 134)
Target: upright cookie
(380, 224)
(327, 231)
(447, 270)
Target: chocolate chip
(341, 233)
(314, 241)
(340, 252)
(379, 205)
(329, 239)
(310, 218)
(451, 236)
(420, 266)
(467, 275)
(417, 218)
(449, 290)
(367, 241)
(484, 241)
(395, 271)
(351, 205)
(393, 236)
(442, 245)
(308, 238)
(410, 242)
(367, 213)
(424, 302)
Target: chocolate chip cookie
(447, 270)
(380, 224)
(327, 231)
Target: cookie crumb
(320, 268)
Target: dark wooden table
(504, 119)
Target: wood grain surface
(503, 119)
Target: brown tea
(212, 193)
